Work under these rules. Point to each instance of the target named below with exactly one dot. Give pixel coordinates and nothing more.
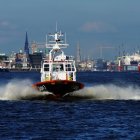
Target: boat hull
(58, 87)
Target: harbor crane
(101, 50)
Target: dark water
(108, 108)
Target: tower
(26, 59)
(26, 47)
(78, 59)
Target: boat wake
(19, 90)
(22, 90)
(106, 92)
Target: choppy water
(107, 108)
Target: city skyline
(95, 24)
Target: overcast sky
(92, 23)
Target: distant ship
(58, 71)
(129, 62)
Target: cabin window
(70, 67)
(58, 67)
(46, 67)
(61, 67)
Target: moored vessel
(129, 62)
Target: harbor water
(108, 108)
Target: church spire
(26, 47)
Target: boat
(58, 71)
(129, 62)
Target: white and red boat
(58, 71)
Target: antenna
(65, 37)
(56, 27)
(46, 38)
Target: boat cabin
(57, 65)
(58, 71)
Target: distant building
(100, 64)
(3, 57)
(35, 60)
(4, 61)
(85, 65)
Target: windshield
(58, 67)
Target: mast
(56, 44)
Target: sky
(101, 27)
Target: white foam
(22, 89)
(109, 92)
(17, 89)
